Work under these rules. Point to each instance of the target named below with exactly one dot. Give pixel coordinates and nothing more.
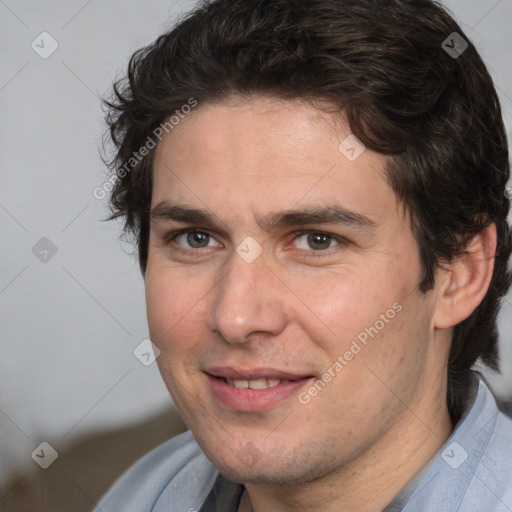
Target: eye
(194, 239)
(315, 241)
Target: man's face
(272, 257)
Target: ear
(463, 286)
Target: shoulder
(490, 440)
(493, 476)
(175, 476)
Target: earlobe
(464, 284)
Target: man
(317, 190)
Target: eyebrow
(334, 215)
(319, 215)
(165, 211)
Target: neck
(371, 482)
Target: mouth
(254, 383)
(254, 389)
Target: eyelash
(340, 241)
(171, 238)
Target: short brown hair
(382, 63)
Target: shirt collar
(465, 406)
(452, 469)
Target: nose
(247, 303)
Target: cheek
(176, 309)
(343, 306)
(176, 317)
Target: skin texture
(298, 307)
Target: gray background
(69, 324)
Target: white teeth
(254, 384)
(258, 384)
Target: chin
(249, 465)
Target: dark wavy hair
(381, 62)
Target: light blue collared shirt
(472, 473)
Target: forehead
(264, 153)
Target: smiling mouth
(254, 378)
(256, 389)
(255, 383)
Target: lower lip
(254, 399)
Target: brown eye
(198, 240)
(315, 241)
(195, 240)
(319, 241)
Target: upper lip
(228, 372)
